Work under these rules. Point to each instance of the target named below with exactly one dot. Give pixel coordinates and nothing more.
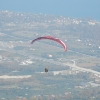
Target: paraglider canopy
(51, 38)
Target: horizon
(69, 8)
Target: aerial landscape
(49, 50)
(71, 74)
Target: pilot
(46, 69)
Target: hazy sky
(69, 8)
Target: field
(71, 74)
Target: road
(14, 77)
(82, 69)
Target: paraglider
(51, 38)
